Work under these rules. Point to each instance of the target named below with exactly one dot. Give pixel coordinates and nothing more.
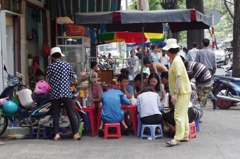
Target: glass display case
(76, 50)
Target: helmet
(41, 87)
(10, 107)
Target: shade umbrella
(130, 37)
(145, 21)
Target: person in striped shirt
(203, 79)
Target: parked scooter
(33, 115)
(103, 63)
(227, 91)
(229, 72)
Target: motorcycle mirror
(5, 68)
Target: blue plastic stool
(42, 132)
(197, 125)
(86, 121)
(12, 123)
(152, 131)
(139, 126)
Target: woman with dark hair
(149, 106)
(154, 81)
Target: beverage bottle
(81, 129)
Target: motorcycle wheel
(67, 131)
(222, 104)
(3, 125)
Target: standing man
(156, 67)
(203, 78)
(131, 63)
(180, 91)
(59, 74)
(191, 56)
(206, 57)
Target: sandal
(184, 140)
(172, 143)
(76, 137)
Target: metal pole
(126, 4)
(142, 55)
(213, 32)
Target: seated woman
(154, 81)
(149, 106)
(194, 112)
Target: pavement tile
(218, 139)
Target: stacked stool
(192, 130)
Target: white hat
(171, 44)
(56, 50)
(181, 53)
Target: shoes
(172, 143)
(126, 132)
(100, 133)
(214, 104)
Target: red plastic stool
(192, 130)
(112, 125)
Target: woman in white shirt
(154, 81)
(149, 106)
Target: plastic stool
(112, 125)
(192, 130)
(197, 125)
(41, 131)
(152, 131)
(139, 126)
(12, 123)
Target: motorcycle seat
(232, 79)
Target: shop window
(12, 5)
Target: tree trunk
(236, 39)
(195, 35)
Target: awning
(188, 19)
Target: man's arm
(100, 92)
(124, 100)
(197, 59)
(129, 91)
(188, 56)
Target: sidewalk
(218, 139)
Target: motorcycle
(227, 91)
(34, 115)
(103, 64)
(229, 72)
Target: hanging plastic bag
(3, 100)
